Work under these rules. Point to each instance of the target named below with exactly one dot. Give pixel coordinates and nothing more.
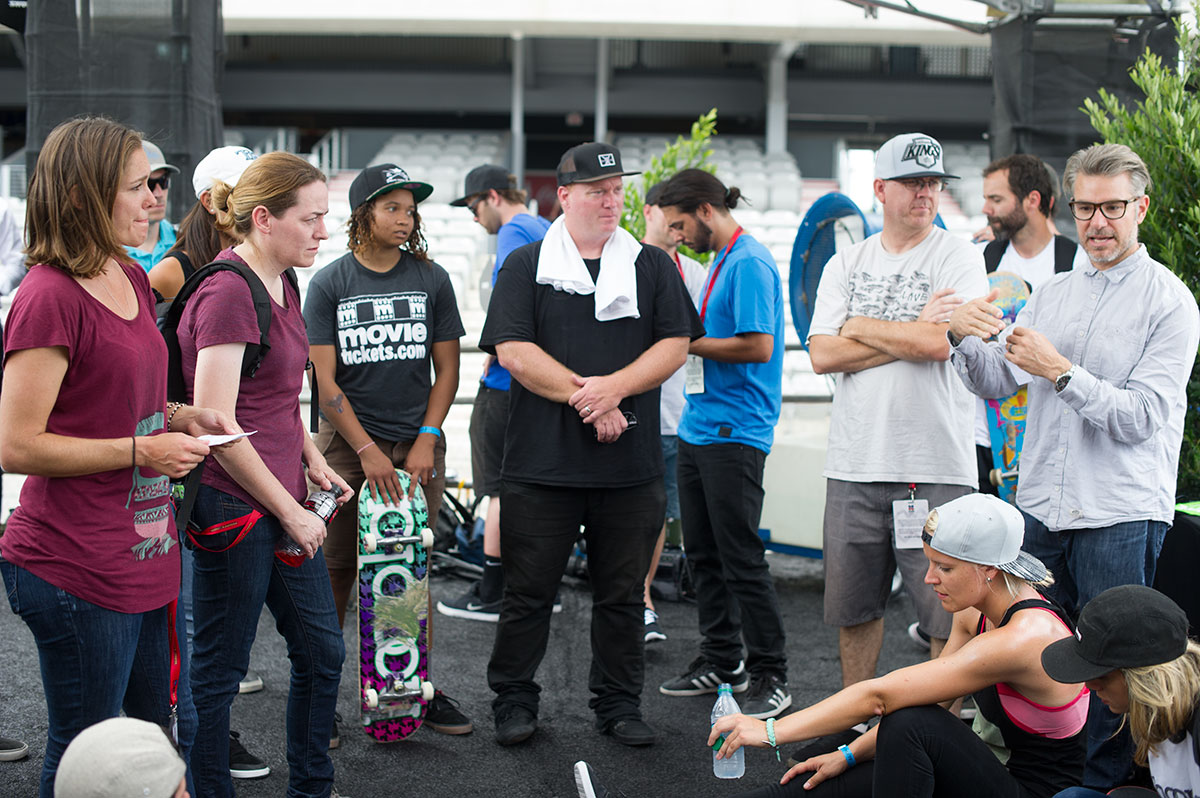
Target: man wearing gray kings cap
(901, 436)
(590, 323)
(1106, 351)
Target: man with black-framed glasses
(160, 234)
(1106, 351)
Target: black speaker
(152, 65)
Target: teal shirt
(166, 240)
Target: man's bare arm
(903, 340)
(835, 354)
(536, 370)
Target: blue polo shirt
(166, 240)
(525, 228)
(740, 402)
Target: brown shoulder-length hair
(198, 237)
(360, 232)
(273, 181)
(68, 211)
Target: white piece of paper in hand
(217, 440)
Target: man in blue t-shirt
(734, 386)
(500, 208)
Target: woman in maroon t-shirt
(90, 557)
(251, 494)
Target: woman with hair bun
(1134, 654)
(251, 494)
(90, 557)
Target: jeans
(1085, 563)
(96, 662)
(229, 590)
(721, 495)
(670, 450)
(538, 529)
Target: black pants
(538, 529)
(720, 498)
(920, 752)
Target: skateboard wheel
(370, 542)
(427, 538)
(427, 688)
(995, 477)
(371, 698)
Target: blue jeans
(1079, 792)
(229, 590)
(1085, 563)
(96, 662)
(670, 450)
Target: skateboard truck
(996, 476)
(372, 698)
(372, 542)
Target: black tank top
(1042, 765)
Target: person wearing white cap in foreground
(1001, 625)
(199, 240)
(121, 758)
(902, 427)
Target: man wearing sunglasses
(901, 433)
(160, 235)
(1106, 350)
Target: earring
(989, 579)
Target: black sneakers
(514, 724)
(652, 631)
(444, 716)
(767, 697)
(471, 606)
(703, 677)
(242, 763)
(630, 731)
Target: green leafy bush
(1164, 129)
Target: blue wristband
(431, 431)
(845, 749)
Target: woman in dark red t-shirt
(90, 556)
(251, 494)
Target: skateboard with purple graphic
(1006, 416)
(393, 610)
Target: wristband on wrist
(845, 749)
(174, 408)
(133, 449)
(364, 447)
(431, 431)
(771, 739)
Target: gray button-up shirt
(1106, 449)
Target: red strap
(176, 667)
(246, 521)
(712, 280)
(679, 265)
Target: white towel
(561, 266)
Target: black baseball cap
(382, 178)
(1130, 626)
(587, 163)
(484, 178)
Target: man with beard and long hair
(1106, 350)
(734, 386)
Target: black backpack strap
(993, 253)
(185, 263)
(1064, 254)
(314, 404)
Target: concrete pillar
(517, 113)
(777, 106)
(601, 132)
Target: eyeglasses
(473, 204)
(155, 183)
(915, 184)
(1112, 209)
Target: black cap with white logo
(587, 163)
(382, 178)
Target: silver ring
(587, 409)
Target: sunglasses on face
(915, 184)
(473, 204)
(156, 183)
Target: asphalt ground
(432, 765)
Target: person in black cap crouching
(1001, 624)
(1132, 651)
(590, 323)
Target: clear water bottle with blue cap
(733, 767)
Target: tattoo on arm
(336, 403)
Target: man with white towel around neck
(589, 322)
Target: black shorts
(489, 420)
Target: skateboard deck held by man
(1006, 416)
(393, 606)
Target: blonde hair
(69, 208)
(273, 181)
(1161, 700)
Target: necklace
(120, 308)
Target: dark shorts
(860, 557)
(489, 420)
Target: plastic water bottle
(735, 766)
(321, 503)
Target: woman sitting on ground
(1133, 652)
(979, 573)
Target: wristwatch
(1064, 379)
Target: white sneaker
(653, 632)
